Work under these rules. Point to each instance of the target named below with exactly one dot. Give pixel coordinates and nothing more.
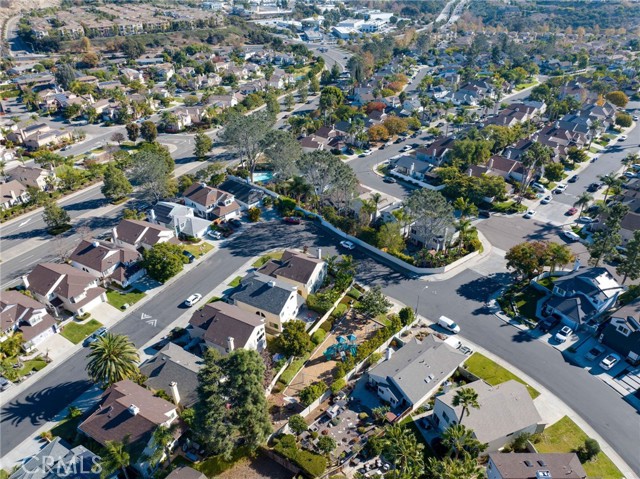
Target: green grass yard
(526, 302)
(235, 281)
(266, 258)
(118, 298)
(216, 465)
(565, 436)
(199, 249)
(35, 364)
(76, 332)
(289, 373)
(493, 373)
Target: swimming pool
(262, 176)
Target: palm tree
(163, 438)
(610, 181)
(299, 187)
(463, 468)
(535, 158)
(117, 457)
(465, 228)
(112, 358)
(467, 398)
(367, 209)
(465, 207)
(3, 165)
(404, 218)
(376, 198)
(460, 441)
(405, 451)
(583, 200)
(630, 159)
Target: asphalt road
(461, 298)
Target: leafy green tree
(203, 145)
(406, 315)
(303, 93)
(528, 258)
(390, 238)
(65, 75)
(283, 152)
(132, 48)
(133, 131)
(629, 266)
(113, 358)
(163, 261)
(116, 185)
(54, 216)
(467, 398)
(331, 98)
(297, 424)
(459, 440)
(312, 392)
(314, 85)
(148, 131)
(254, 214)
(603, 246)
(116, 458)
(11, 346)
(554, 171)
(373, 303)
(623, 119)
(152, 171)
(289, 101)
(558, 255)
(294, 339)
(589, 450)
(273, 105)
(618, 98)
(326, 444)
(431, 212)
(232, 405)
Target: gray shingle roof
(221, 321)
(263, 292)
(525, 465)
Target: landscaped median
(492, 373)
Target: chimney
(95, 244)
(319, 253)
(174, 392)
(13, 195)
(490, 166)
(389, 353)
(230, 344)
(134, 410)
(25, 281)
(152, 215)
(271, 284)
(114, 233)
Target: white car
(367, 152)
(546, 200)
(193, 299)
(538, 187)
(530, 214)
(570, 235)
(586, 220)
(564, 334)
(406, 148)
(622, 138)
(609, 361)
(213, 234)
(560, 187)
(347, 245)
(635, 117)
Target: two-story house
(622, 333)
(226, 327)
(245, 194)
(33, 177)
(211, 203)
(108, 262)
(582, 296)
(272, 299)
(299, 269)
(22, 314)
(12, 193)
(141, 234)
(63, 286)
(179, 218)
(127, 410)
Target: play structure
(343, 346)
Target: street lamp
(418, 300)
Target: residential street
(461, 298)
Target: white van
(448, 324)
(570, 235)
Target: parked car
(587, 220)
(97, 334)
(367, 152)
(573, 179)
(539, 187)
(214, 234)
(564, 334)
(530, 214)
(570, 235)
(191, 257)
(571, 211)
(594, 353)
(65, 148)
(593, 187)
(448, 324)
(292, 220)
(235, 222)
(609, 361)
(635, 117)
(622, 138)
(629, 174)
(484, 214)
(193, 299)
(559, 189)
(389, 179)
(406, 148)
(548, 324)
(546, 200)
(347, 245)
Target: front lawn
(216, 465)
(526, 302)
(67, 429)
(266, 258)
(119, 298)
(493, 373)
(35, 364)
(76, 332)
(235, 281)
(565, 436)
(547, 282)
(199, 249)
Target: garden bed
(493, 373)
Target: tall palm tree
(404, 218)
(405, 451)
(462, 468)
(299, 187)
(465, 228)
(610, 181)
(376, 198)
(467, 398)
(163, 437)
(117, 457)
(368, 209)
(460, 441)
(465, 207)
(535, 158)
(112, 358)
(630, 159)
(583, 201)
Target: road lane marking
(144, 316)
(152, 322)
(24, 222)
(25, 259)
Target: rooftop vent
(133, 409)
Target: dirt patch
(260, 467)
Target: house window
(623, 330)
(445, 417)
(274, 325)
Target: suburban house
(141, 234)
(506, 411)
(582, 296)
(622, 333)
(22, 314)
(226, 327)
(33, 177)
(528, 465)
(272, 299)
(57, 460)
(53, 137)
(108, 262)
(300, 269)
(63, 286)
(409, 165)
(127, 409)
(436, 153)
(415, 372)
(181, 219)
(174, 371)
(245, 194)
(12, 193)
(211, 203)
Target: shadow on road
(480, 289)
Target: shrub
(338, 385)
(406, 315)
(340, 371)
(285, 205)
(339, 311)
(588, 450)
(312, 392)
(363, 416)
(313, 464)
(254, 214)
(327, 325)
(403, 257)
(318, 336)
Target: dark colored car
(593, 187)
(484, 214)
(236, 223)
(189, 256)
(573, 179)
(292, 220)
(389, 179)
(548, 324)
(399, 140)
